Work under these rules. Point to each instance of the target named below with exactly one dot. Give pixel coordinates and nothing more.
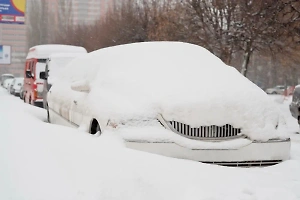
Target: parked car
(22, 92)
(279, 89)
(6, 83)
(55, 63)
(168, 98)
(5, 77)
(35, 63)
(295, 104)
(11, 86)
(15, 87)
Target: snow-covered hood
(17, 87)
(182, 82)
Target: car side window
(28, 66)
(31, 67)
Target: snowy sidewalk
(41, 161)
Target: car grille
(206, 132)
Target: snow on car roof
(43, 51)
(182, 82)
(7, 75)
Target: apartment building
(14, 35)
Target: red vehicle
(36, 63)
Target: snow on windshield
(57, 63)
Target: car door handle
(75, 102)
(28, 83)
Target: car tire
(30, 101)
(95, 127)
(274, 93)
(98, 128)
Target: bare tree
(62, 21)
(38, 18)
(225, 27)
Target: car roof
(44, 51)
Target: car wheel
(29, 100)
(274, 92)
(95, 127)
(98, 129)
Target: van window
(31, 68)
(28, 65)
(40, 67)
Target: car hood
(257, 116)
(17, 87)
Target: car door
(59, 105)
(78, 108)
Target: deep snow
(41, 161)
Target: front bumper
(256, 153)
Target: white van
(35, 63)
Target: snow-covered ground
(41, 161)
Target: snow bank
(183, 82)
(41, 161)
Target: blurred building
(14, 35)
(86, 12)
(75, 12)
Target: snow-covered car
(7, 83)
(3, 77)
(16, 85)
(22, 92)
(279, 89)
(168, 98)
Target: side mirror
(81, 86)
(28, 74)
(43, 75)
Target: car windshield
(56, 64)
